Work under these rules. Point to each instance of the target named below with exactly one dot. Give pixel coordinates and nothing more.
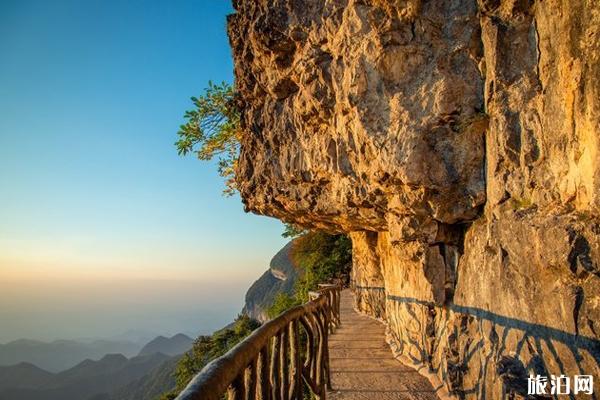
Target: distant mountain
(87, 380)
(61, 354)
(281, 277)
(151, 386)
(23, 376)
(112, 376)
(172, 346)
(89, 370)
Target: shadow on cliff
(508, 367)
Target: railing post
(265, 387)
(253, 379)
(274, 379)
(326, 355)
(338, 295)
(320, 378)
(296, 362)
(284, 377)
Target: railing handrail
(220, 374)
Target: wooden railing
(278, 360)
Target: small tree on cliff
(213, 130)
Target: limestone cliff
(281, 277)
(458, 143)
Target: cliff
(458, 144)
(281, 277)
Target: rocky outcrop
(360, 117)
(281, 277)
(458, 144)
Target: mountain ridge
(145, 374)
(175, 345)
(62, 354)
(89, 379)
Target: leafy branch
(213, 130)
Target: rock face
(281, 277)
(458, 144)
(360, 117)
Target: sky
(103, 227)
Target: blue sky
(92, 189)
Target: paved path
(362, 365)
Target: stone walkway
(362, 365)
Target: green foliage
(323, 257)
(207, 348)
(292, 231)
(281, 303)
(213, 130)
